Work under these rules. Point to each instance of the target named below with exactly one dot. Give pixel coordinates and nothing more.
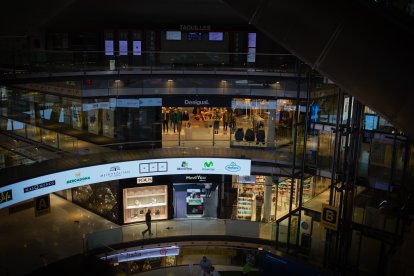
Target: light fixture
(170, 80)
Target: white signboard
(126, 256)
(51, 183)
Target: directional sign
(330, 216)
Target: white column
(267, 204)
(271, 125)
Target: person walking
(148, 222)
(205, 265)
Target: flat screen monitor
(109, 47)
(215, 36)
(136, 48)
(371, 121)
(123, 47)
(194, 36)
(251, 40)
(173, 35)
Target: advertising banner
(51, 183)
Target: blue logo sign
(233, 167)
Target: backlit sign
(126, 256)
(143, 169)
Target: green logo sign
(184, 164)
(208, 164)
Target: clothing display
(260, 136)
(249, 136)
(239, 134)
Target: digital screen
(173, 35)
(136, 48)
(371, 121)
(314, 110)
(215, 36)
(251, 40)
(123, 47)
(109, 47)
(195, 202)
(251, 55)
(194, 36)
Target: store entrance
(195, 200)
(196, 126)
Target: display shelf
(145, 206)
(150, 197)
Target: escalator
(367, 52)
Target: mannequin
(165, 119)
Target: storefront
(196, 120)
(197, 196)
(221, 121)
(259, 198)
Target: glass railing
(178, 228)
(20, 62)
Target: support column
(267, 206)
(271, 126)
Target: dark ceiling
(22, 17)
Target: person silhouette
(148, 222)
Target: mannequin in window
(174, 119)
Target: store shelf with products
(138, 200)
(247, 188)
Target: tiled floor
(28, 242)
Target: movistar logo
(208, 166)
(233, 167)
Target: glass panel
(34, 133)
(50, 138)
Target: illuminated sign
(109, 47)
(123, 47)
(330, 216)
(136, 48)
(126, 256)
(141, 180)
(51, 183)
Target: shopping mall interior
(272, 137)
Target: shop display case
(246, 197)
(138, 200)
